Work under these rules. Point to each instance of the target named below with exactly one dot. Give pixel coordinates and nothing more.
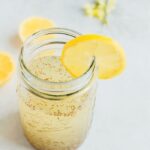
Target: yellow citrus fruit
(6, 67)
(32, 25)
(77, 54)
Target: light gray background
(122, 112)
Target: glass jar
(54, 115)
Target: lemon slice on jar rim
(77, 53)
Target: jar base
(41, 148)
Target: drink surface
(49, 68)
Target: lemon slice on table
(77, 53)
(6, 67)
(32, 25)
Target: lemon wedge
(77, 53)
(32, 25)
(6, 67)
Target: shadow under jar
(56, 113)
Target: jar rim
(64, 31)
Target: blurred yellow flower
(100, 9)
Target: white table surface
(122, 112)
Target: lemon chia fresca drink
(60, 124)
(55, 107)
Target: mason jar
(54, 115)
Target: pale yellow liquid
(50, 124)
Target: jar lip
(86, 76)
